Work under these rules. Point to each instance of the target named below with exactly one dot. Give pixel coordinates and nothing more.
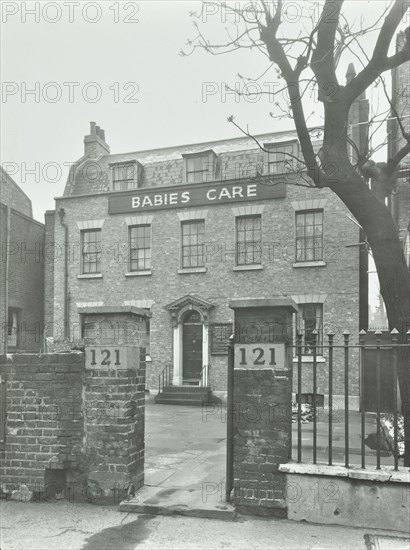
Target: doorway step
(184, 395)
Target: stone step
(186, 389)
(180, 401)
(179, 396)
(182, 395)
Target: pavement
(64, 525)
(185, 473)
(338, 440)
(185, 463)
(185, 457)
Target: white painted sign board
(260, 356)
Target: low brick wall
(44, 426)
(73, 426)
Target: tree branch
(379, 61)
(323, 60)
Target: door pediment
(178, 307)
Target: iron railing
(165, 378)
(204, 376)
(376, 342)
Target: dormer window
(125, 175)
(199, 167)
(280, 157)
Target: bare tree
(314, 53)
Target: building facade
(400, 198)
(22, 271)
(182, 231)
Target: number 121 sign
(259, 356)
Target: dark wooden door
(192, 350)
(370, 380)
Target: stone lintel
(283, 302)
(114, 310)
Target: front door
(192, 348)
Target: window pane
(310, 318)
(278, 161)
(198, 169)
(193, 233)
(91, 251)
(140, 247)
(124, 176)
(248, 240)
(309, 236)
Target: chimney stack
(95, 144)
(351, 73)
(358, 119)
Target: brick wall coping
(115, 309)
(385, 474)
(264, 302)
(24, 216)
(23, 358)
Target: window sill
(90, 276)
(184, 270)
(319, 263)
(309, 359)
(250, 267)
(138, 273)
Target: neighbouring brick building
(400, 199)
(21, 271)
(182, 231)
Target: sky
(118, 63)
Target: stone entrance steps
(184, 395)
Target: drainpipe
(61, 214)
(6, 282)
(229, 484)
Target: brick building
(22, 271)
(400, 199)
(184, 230)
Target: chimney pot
(94, 144)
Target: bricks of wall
(26, 279)
(69, 425)
(3, 268)
(114, 399)
(51, 257)
(262, 439)
(44, 428)
(12, 196)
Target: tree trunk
(393, 272)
